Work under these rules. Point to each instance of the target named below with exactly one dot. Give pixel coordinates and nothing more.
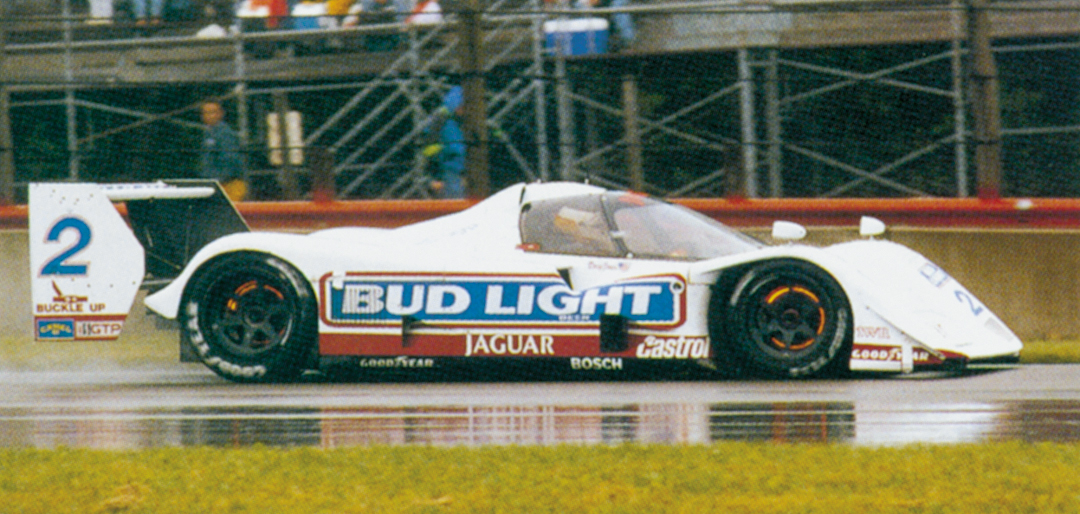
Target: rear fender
(87, 264)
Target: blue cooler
(581, 36)
(309, 16)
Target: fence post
(7, 160)
(985, 107)
(633, 135)
(322, 174)
(476, 133)
(286, 173)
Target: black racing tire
(788, 318)
(250, 317)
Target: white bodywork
(906, 309)
(82, 288)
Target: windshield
(618, 224)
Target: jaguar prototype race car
(561, 276)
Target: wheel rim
(790, 320)
(252, 316)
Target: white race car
(563, 276)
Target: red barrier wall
(916, 212)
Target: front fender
(920, 300)
(899, 298)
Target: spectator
(101, 11)
(179, 10)
(222, 158)
(623, 23)
(213, 16)
(218, 12)
(426, 12)
(339, 7)
(448, 149)
(379, 12)
(386, 11)
(142, 8)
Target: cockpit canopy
(626, 225)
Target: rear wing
(87, 264)
(174, 219)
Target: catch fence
(710, 98)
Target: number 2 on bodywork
(86, 265)
(938, 278)
(58, 265)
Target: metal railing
(712, 98)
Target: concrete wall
(15, 316)
(1030, 278)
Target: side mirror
(787, 231)
(870, 227)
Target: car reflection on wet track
(141, 410)
(541, 425)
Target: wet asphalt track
(185, 405)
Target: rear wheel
(788, 318)
(250, 318)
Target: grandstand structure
(748, 124)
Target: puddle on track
(676, 423)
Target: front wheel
(250, 317)
(788, 318)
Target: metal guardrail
(761, 44)
(972, 213)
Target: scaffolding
(546, 114)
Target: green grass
(756, 478)
(1051, 352)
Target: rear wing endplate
(87, 264)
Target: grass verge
(1051, 352)
(759, 478)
